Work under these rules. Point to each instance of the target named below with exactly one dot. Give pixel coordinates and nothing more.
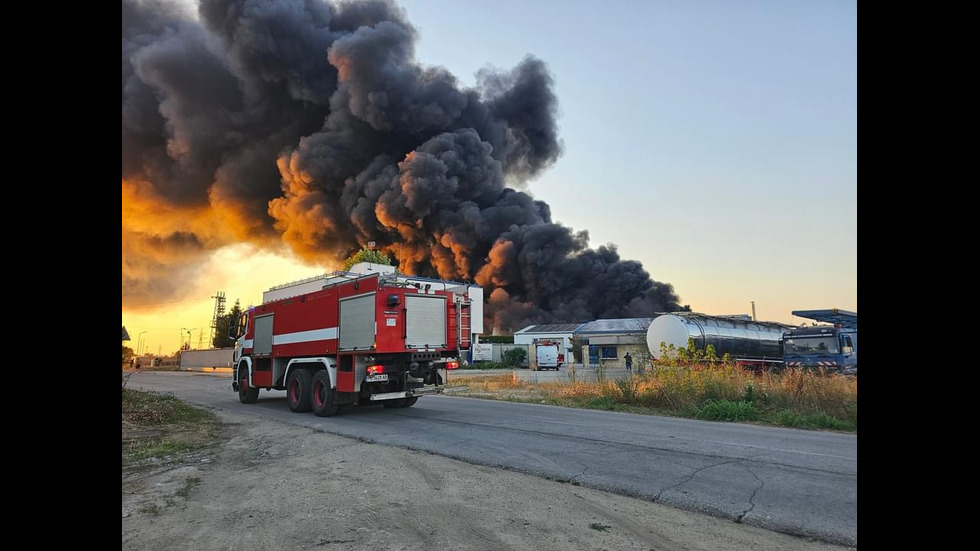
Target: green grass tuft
(725, 410)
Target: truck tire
(246, 394)
(409, 402)
(298, 390)
(396, 403)
(324, 398)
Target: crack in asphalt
(752, 497)
(585, 469)
(691, 476)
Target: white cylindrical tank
(742, 339)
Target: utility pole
(188, 331)
(219, 312)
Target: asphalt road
(796, 482)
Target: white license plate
(377, 378)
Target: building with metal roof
(622, 326)
(608, 341)
(562, 332)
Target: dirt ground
(276, 486)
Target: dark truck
(831, 347)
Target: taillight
(375, 369)
(452, 365)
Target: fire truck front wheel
(298, 390)
(246, 394)
(409, 402)
(324, 397)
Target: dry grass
(725, 391)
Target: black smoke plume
(311, 125)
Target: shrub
(514, 356)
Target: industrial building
(605, 342)
(608, 341)
(561, 332)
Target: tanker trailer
(747, 341)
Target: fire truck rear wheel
(396, 403)
(298, 390)
(246, 393)
(409, 402)
(324, 397)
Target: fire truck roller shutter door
(357, 322)
(262, 342)
(425, 324)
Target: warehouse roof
(622, 325)
(551, 328)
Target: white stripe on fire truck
(305, 336)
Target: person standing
(629, 362)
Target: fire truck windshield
(810, 345)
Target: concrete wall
(214, 357)
(500, 348)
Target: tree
(367, 255)
(221, 338)
(127, 354)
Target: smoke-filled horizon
(311, 127)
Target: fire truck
(364, 336)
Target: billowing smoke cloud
(311, 126)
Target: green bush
(514, 356)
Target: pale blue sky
(713, 141)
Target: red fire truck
(370, 335)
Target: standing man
(629, 362)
